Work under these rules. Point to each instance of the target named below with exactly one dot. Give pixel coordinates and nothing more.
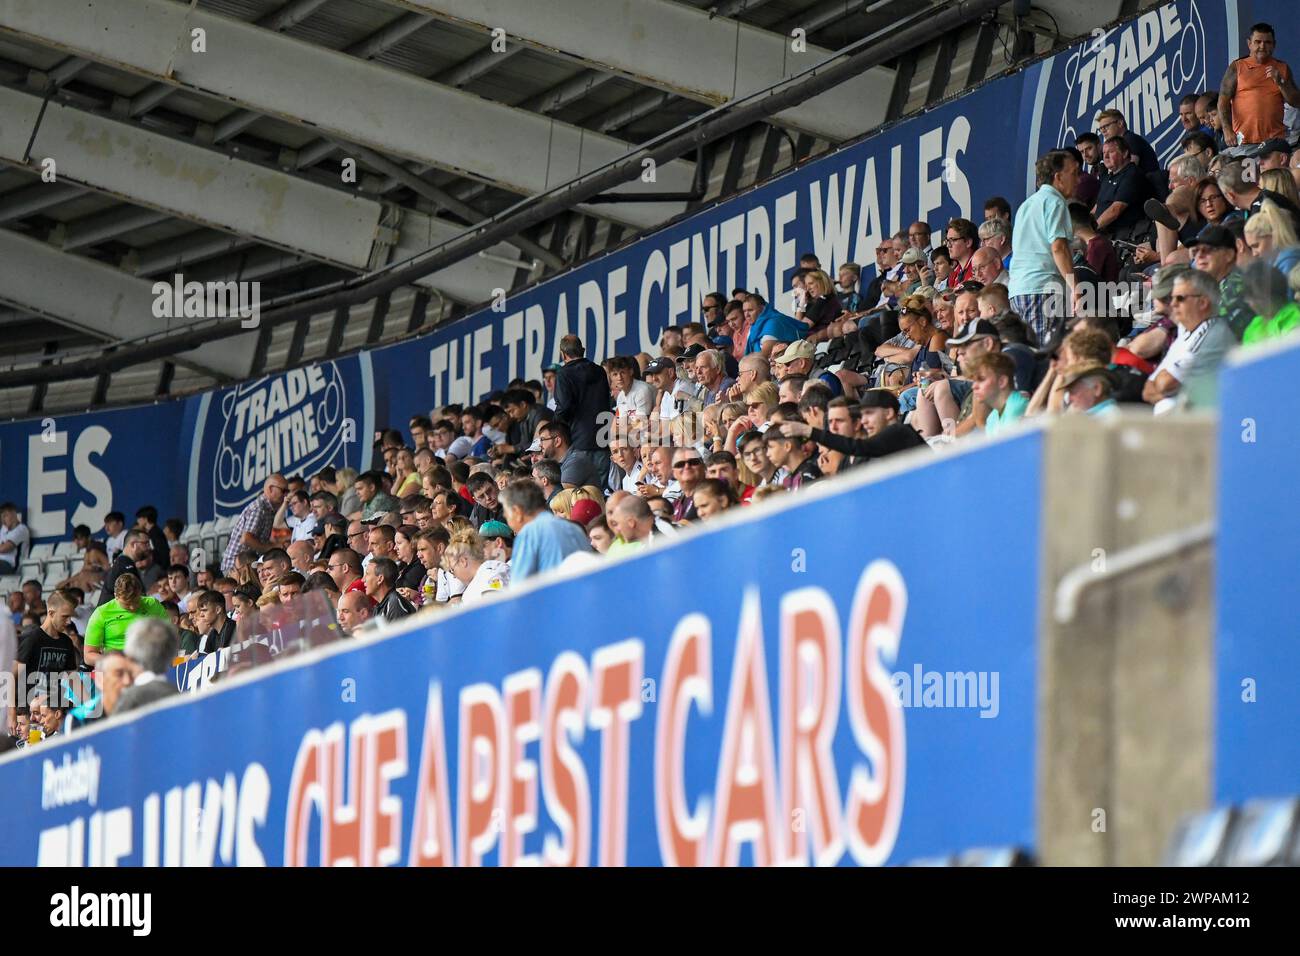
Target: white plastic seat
(41, 552)
(66, 549)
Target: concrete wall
(1125, 736)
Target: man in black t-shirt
(214, 627)
(1124, 190)
(44, 651)
(136, 547)
(146, 519)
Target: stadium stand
(1139, 260)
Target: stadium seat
(10, 583)
(53, 575)
(57, 568)
(31, 569)
(41, 552)
(66, 549)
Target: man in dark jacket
(134, 548)
(151, 644)
(381, 585)
(146, 519)
(583, 403)
(886, 432)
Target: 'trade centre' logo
(294, 423)
(1142, 68)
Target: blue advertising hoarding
(815, 694)
(1257, 749)
(934, 166)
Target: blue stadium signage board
(810, 693)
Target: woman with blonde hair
(821, 306)
(1271, 235)
(1280, 181)
(563, 502)
(345, 480)
(467, 561)
(405, 479)
(760, 403)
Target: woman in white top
(465, 559)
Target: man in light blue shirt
(993, 380)
(1042, 270)
(542, 540)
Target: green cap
(496, 529)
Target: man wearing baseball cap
(797, 359)
(952, 400)
(499, 540)
(670, 389)
(1214, 251)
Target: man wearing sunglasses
(688, 469)
(252, 530)
(1191, 366)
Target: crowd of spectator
(1119, 281)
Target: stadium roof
(228, 162)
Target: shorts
(959, 388)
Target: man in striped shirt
(252, 530)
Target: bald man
(301, 554)
(987, 265)
(355, 610)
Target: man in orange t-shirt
(1254, 92)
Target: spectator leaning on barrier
(1255, 91)
(542, 540)
(151, 646)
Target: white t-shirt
(492, 575)
(1183, 354)
(639, 398)
(302, 527)
(114, 544)
(631, 478)
(22, 540)
(448, 586)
